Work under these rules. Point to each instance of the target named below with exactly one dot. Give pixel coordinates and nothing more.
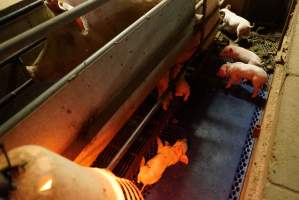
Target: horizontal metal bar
(39, 31)
(20, 52)
(71, 75)
(19, 12)
(14, 93)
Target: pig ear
(228, 6)
(142, 162)
(159, 143)
(184, 159)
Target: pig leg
(255, 92)
(166, 101)
(182, 89)
(142, 187)
(256, 86)
(237, 40)
(229, 83)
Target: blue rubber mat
(216, 126)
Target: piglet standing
(238, 71)
(235, 24)
(241, 54)
(167, 155)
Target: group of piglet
(249, 66)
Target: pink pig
(151, 171)
(234, 23)
(238, 70)
(241, 54)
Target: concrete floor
(274, 170)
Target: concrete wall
(264, 12)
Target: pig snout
(221, 72)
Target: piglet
(234, 23)
(182, 87)
(241, 54)
(238, 71)
(151, 171)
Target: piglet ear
(142, 162)
(228, 6)
(184, 159)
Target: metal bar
(21, 51)
(39, 31)
(14, 93)
(132, 138)
(71, 75)
(17, 13)
(146, 119)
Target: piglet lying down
(238, 71)
(167, 155)
(241, 54)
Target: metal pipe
(140, 127)
(69, 77)
(19, 52)
(132, 138)
(14, 93)
(39, 31)
(116, 159)
(21, 11)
